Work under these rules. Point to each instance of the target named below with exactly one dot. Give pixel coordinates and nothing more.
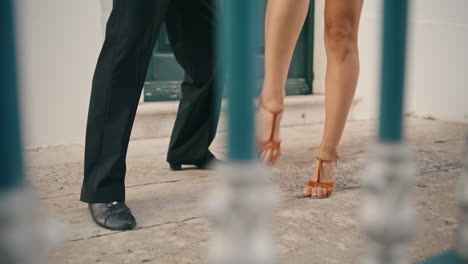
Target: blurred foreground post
(21, 236)
(461, 246)
(241, 203)
(387, 211)
(10, 137)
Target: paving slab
(173, 227)
(305, 231)
(296, 167)
(48, 156)
(420, 131)
(449, 146)
(152, 205)
(65, 179)
(151, 146)
(176, 242)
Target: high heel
(271, 143)
(329, 186)
(208, 164)
(175, 167)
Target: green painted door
(165, 75)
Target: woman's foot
(268, 131)
(322, 182)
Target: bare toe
(324, 192)
(319, 192)
(307, 191)
(314, 192)
(275, 155)
(267, 156)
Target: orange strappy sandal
(326, 185)
(271, 143)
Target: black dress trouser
(120, 73)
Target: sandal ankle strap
(320, 163)
(337, 158)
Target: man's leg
(118, 80)
(191, 31)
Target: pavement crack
(164, 182)
(348, 188)
(440, 170)
(171, 223)
(136, 229)
(90, 237)
(131, 186)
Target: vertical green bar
(393, 70)
(11, 163)
(238, 47)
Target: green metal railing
(393, 70)
(446, 258)
(10, 137)
(238, 43)
(392, 87)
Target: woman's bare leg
(284, 21)
(341, 43)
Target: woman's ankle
(327, 153)
(272, 103)
(272, 96)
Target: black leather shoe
(113, 216)
(207, 165)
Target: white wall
(438, 66)
(59, 42)
(437, 70)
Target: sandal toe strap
(327, 185)
(269, 144)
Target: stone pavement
(173, 228)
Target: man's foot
(268, 132)
(209, 164)
(321, 184)
(114, 215)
